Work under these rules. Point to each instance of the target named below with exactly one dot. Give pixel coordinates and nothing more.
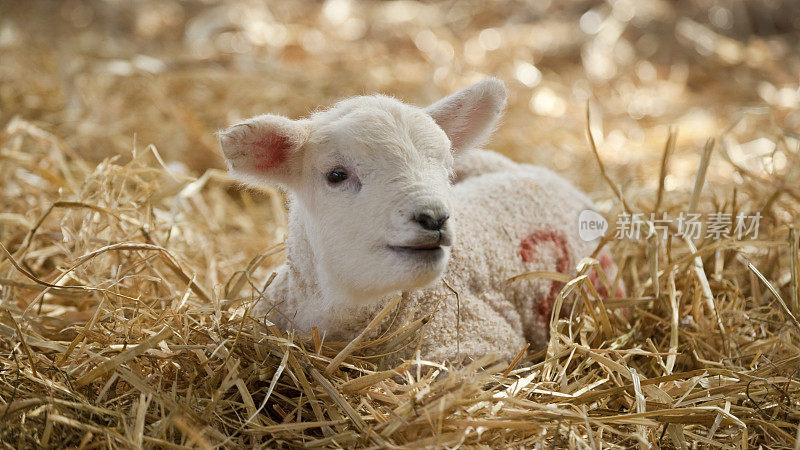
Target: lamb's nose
(430, 222)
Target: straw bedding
(125, 322)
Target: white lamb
(386, 197)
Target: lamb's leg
(477, 162)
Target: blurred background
(104, 75)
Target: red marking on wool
(272, 151)
(527, 251)
(594, 278)
(608, 267)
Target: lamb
(388, 198)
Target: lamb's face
(375, 190)
(370, 182)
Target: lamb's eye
(336, 176)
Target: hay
(126, 322)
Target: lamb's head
(369, 181)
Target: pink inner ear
(271, 151)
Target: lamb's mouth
(433, 249)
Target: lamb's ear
(470, 115)
(266, 148)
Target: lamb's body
(512, 219)
(389, 198)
